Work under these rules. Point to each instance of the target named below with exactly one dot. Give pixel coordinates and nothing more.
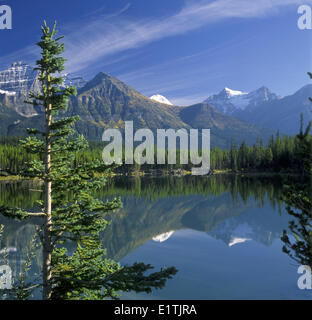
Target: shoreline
(174, 173)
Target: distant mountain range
(106, 102)
(281, 114)
(265, 108)
(22, 78)
(229, 101)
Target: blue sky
(182, 49)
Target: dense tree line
(278, 154)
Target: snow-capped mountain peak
(228, 101)
(232, 93)
(161, 99)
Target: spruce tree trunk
(47, 238)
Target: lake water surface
(222, 233)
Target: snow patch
(233, 93)
(163, 237)
(161, 99)
(237, 240)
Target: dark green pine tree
(298, 199)
(72, 217)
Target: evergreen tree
(233, 156)
(268, 157)
(299, 202)
(72, 217)
(297, 197)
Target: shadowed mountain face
(8, 118)
(222, 127)
(106, 102)
(15, 107)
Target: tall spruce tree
(72, 217)
(298, 199)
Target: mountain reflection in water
(215, 230)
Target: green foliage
(297, 197)
(278, 155)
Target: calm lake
(222, 233)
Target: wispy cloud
(29, 53)
(100, 39)
(101, 11)
(95, 40)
